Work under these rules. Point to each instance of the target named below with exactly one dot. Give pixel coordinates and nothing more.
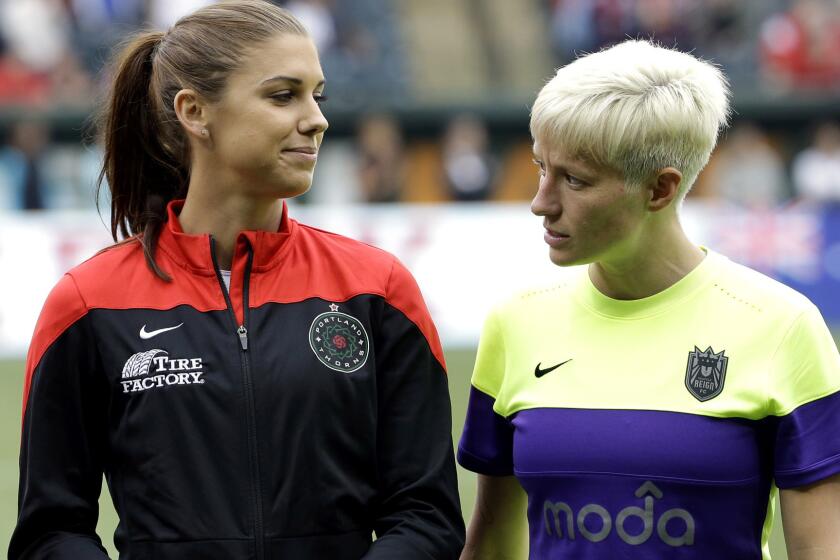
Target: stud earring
(204, 132)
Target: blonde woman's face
(267, 127)
(588, 213)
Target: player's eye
(540, 164)
(573, 181)
(282, 96)
(320, 98)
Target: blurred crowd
(751, 167)
(775, 44)
(53, 54)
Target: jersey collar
(193, 251)
(587, 294)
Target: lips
(304, 155)
(555, 239)
(555, 234)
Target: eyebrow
(581, 167)
(296, 81)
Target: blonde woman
(653, 404)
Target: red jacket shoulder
(339, 266)
(345, 267)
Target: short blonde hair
(635, 108)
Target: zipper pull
(243, 336)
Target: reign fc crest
(705, 373)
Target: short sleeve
(805, 398)
(486, 445)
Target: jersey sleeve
(486, 445)
(805, 398)
(418, 513)
(63, 437)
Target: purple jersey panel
(487, 440)
(610, 484)
(808, 443)
(641, 443)
(607, 517)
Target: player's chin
(564, 257)
(293, 183)
(296, 192)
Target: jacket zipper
(250, 413)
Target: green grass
(11, 382)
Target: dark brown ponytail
(141, 174)
(147, 155)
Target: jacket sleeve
(63, 437)
(418, 512)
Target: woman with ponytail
(250, 387)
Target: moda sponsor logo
(154, 369)
(561, 521)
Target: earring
(204, 132)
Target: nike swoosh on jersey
(540, 372)
(145, 335)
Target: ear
(664, 189)
(192, 113)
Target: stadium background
(428, 150)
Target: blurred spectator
(19, 84)
(579, 26)
(100, 24)
(98, 15)
(318, 19)
(720, 21)
(71, 172)
(468, 166)
(720, 30)
(665, 21)
(336, 179)
(614, 19)
(801, 47)
(367, 56)
(725, 31)
(70, 83)
(37, 32)
(162, 14)
(381, 158)
(573, 28)
(748, 170)
(816, 169)
(20, 165)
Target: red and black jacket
(287, 419)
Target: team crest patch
(705, 373)
(339, 340)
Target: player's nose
(313, 120)
(546, 202)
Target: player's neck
(225, 219)
(658, 263)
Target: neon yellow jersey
(659, 427)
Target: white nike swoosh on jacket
(145, 335)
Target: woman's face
(589, 216)
(267, 127)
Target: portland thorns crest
(339, 340)
(705, 373)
